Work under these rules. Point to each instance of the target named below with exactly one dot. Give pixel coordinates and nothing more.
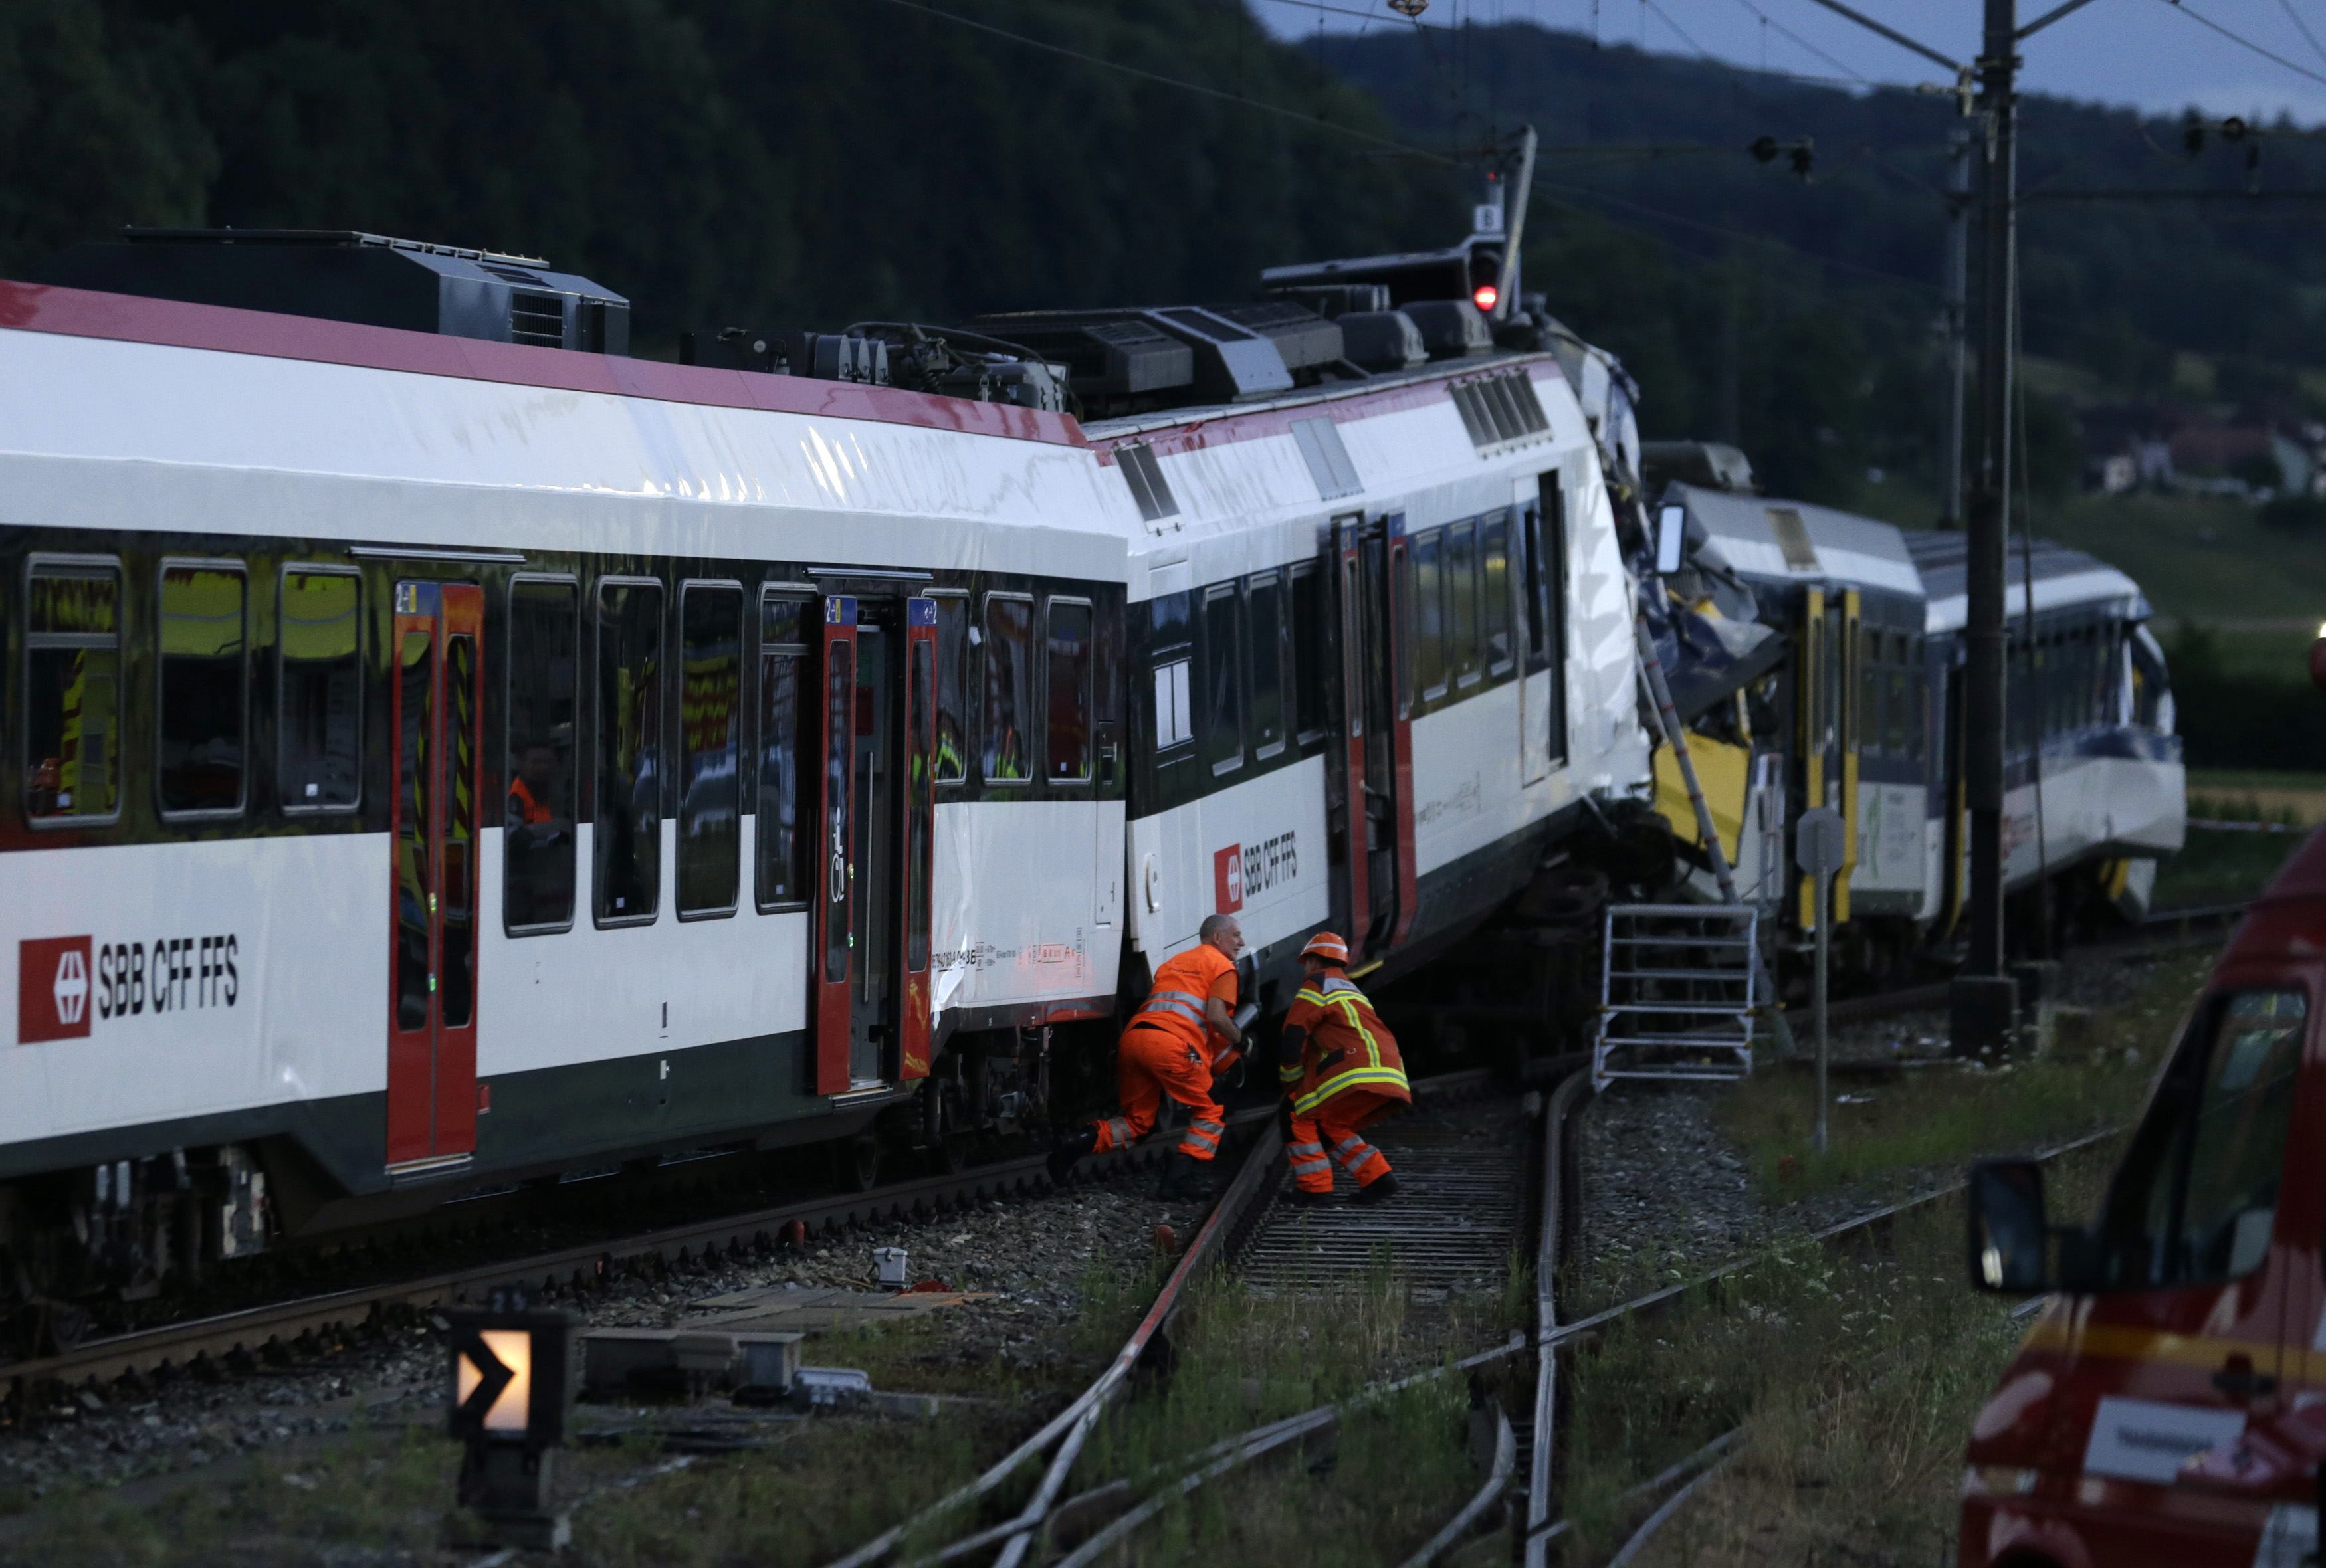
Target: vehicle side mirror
(2010, 1235)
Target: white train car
(437, 762)
(1866, 717)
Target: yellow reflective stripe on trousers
(1349, 1079)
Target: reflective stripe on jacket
(1182, 983)
(1347, 1046)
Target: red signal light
(1485, 295)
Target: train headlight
(2318, 660)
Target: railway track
(1444, 1155)
(282, 1331)
(1459, 1223)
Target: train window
(1312, 643)
(779, 832)
(537, 817)
(1866, 705)
(203, 688)
(839, 748)
(1009, 687)
(1541, 536)
(1068, 753)
(921, 804)
(628, 831)
(1223, 727)
(1175, 725)
(1266, 610)
(2197, 1198)
(415, 808)
(1871, 734)
(1495, 591)
(1430, 672)
(318, 690)
(457, 935)
(952, 687)
(1918, 686)
(73, 692)
(1897, 716)
(710, 747)
(1461, 602)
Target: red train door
(433, 819)
(1400, 660)
(920, 826)
(835, 877)
(1355, 842)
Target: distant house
(2173, 446)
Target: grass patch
(2199, 559)
(2208, 782)
(1398, 1468)
(1856, 1381)
(2218, 866)
(385, 1489)
(1941, 1117)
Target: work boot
(1066, 1151)
(1301, 1198)
(1184, 1177)
(1380, 1187)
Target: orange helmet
(1325, 945)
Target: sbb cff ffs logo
(1241, 870)
(52, 988)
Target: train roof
(1241, 486)
(118, 410)
(2063, 577)
(1770, 540)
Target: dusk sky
(2153, 54)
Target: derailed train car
(446, 752)
(1865, 713)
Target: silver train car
(1866, 715)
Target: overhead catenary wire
(2242, 41)
(1573, 197)
(2303, 27)
(1280, 111)
(1768, 21)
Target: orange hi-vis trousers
(1150, 1065)
(1331, 1135)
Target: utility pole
(1984, 1002)
(1957, 318)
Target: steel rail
(255, 1329)
(1230, 1453)
(1498, 1478)
(1716, 1455)
(1542, 1439)
(1070, 1427)
(1063, 1436)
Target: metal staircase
(1676, 994)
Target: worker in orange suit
(1340, 1066)
(1185, 1033)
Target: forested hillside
(815, 161)
(808, 162)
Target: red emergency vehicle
(2169, 1406)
